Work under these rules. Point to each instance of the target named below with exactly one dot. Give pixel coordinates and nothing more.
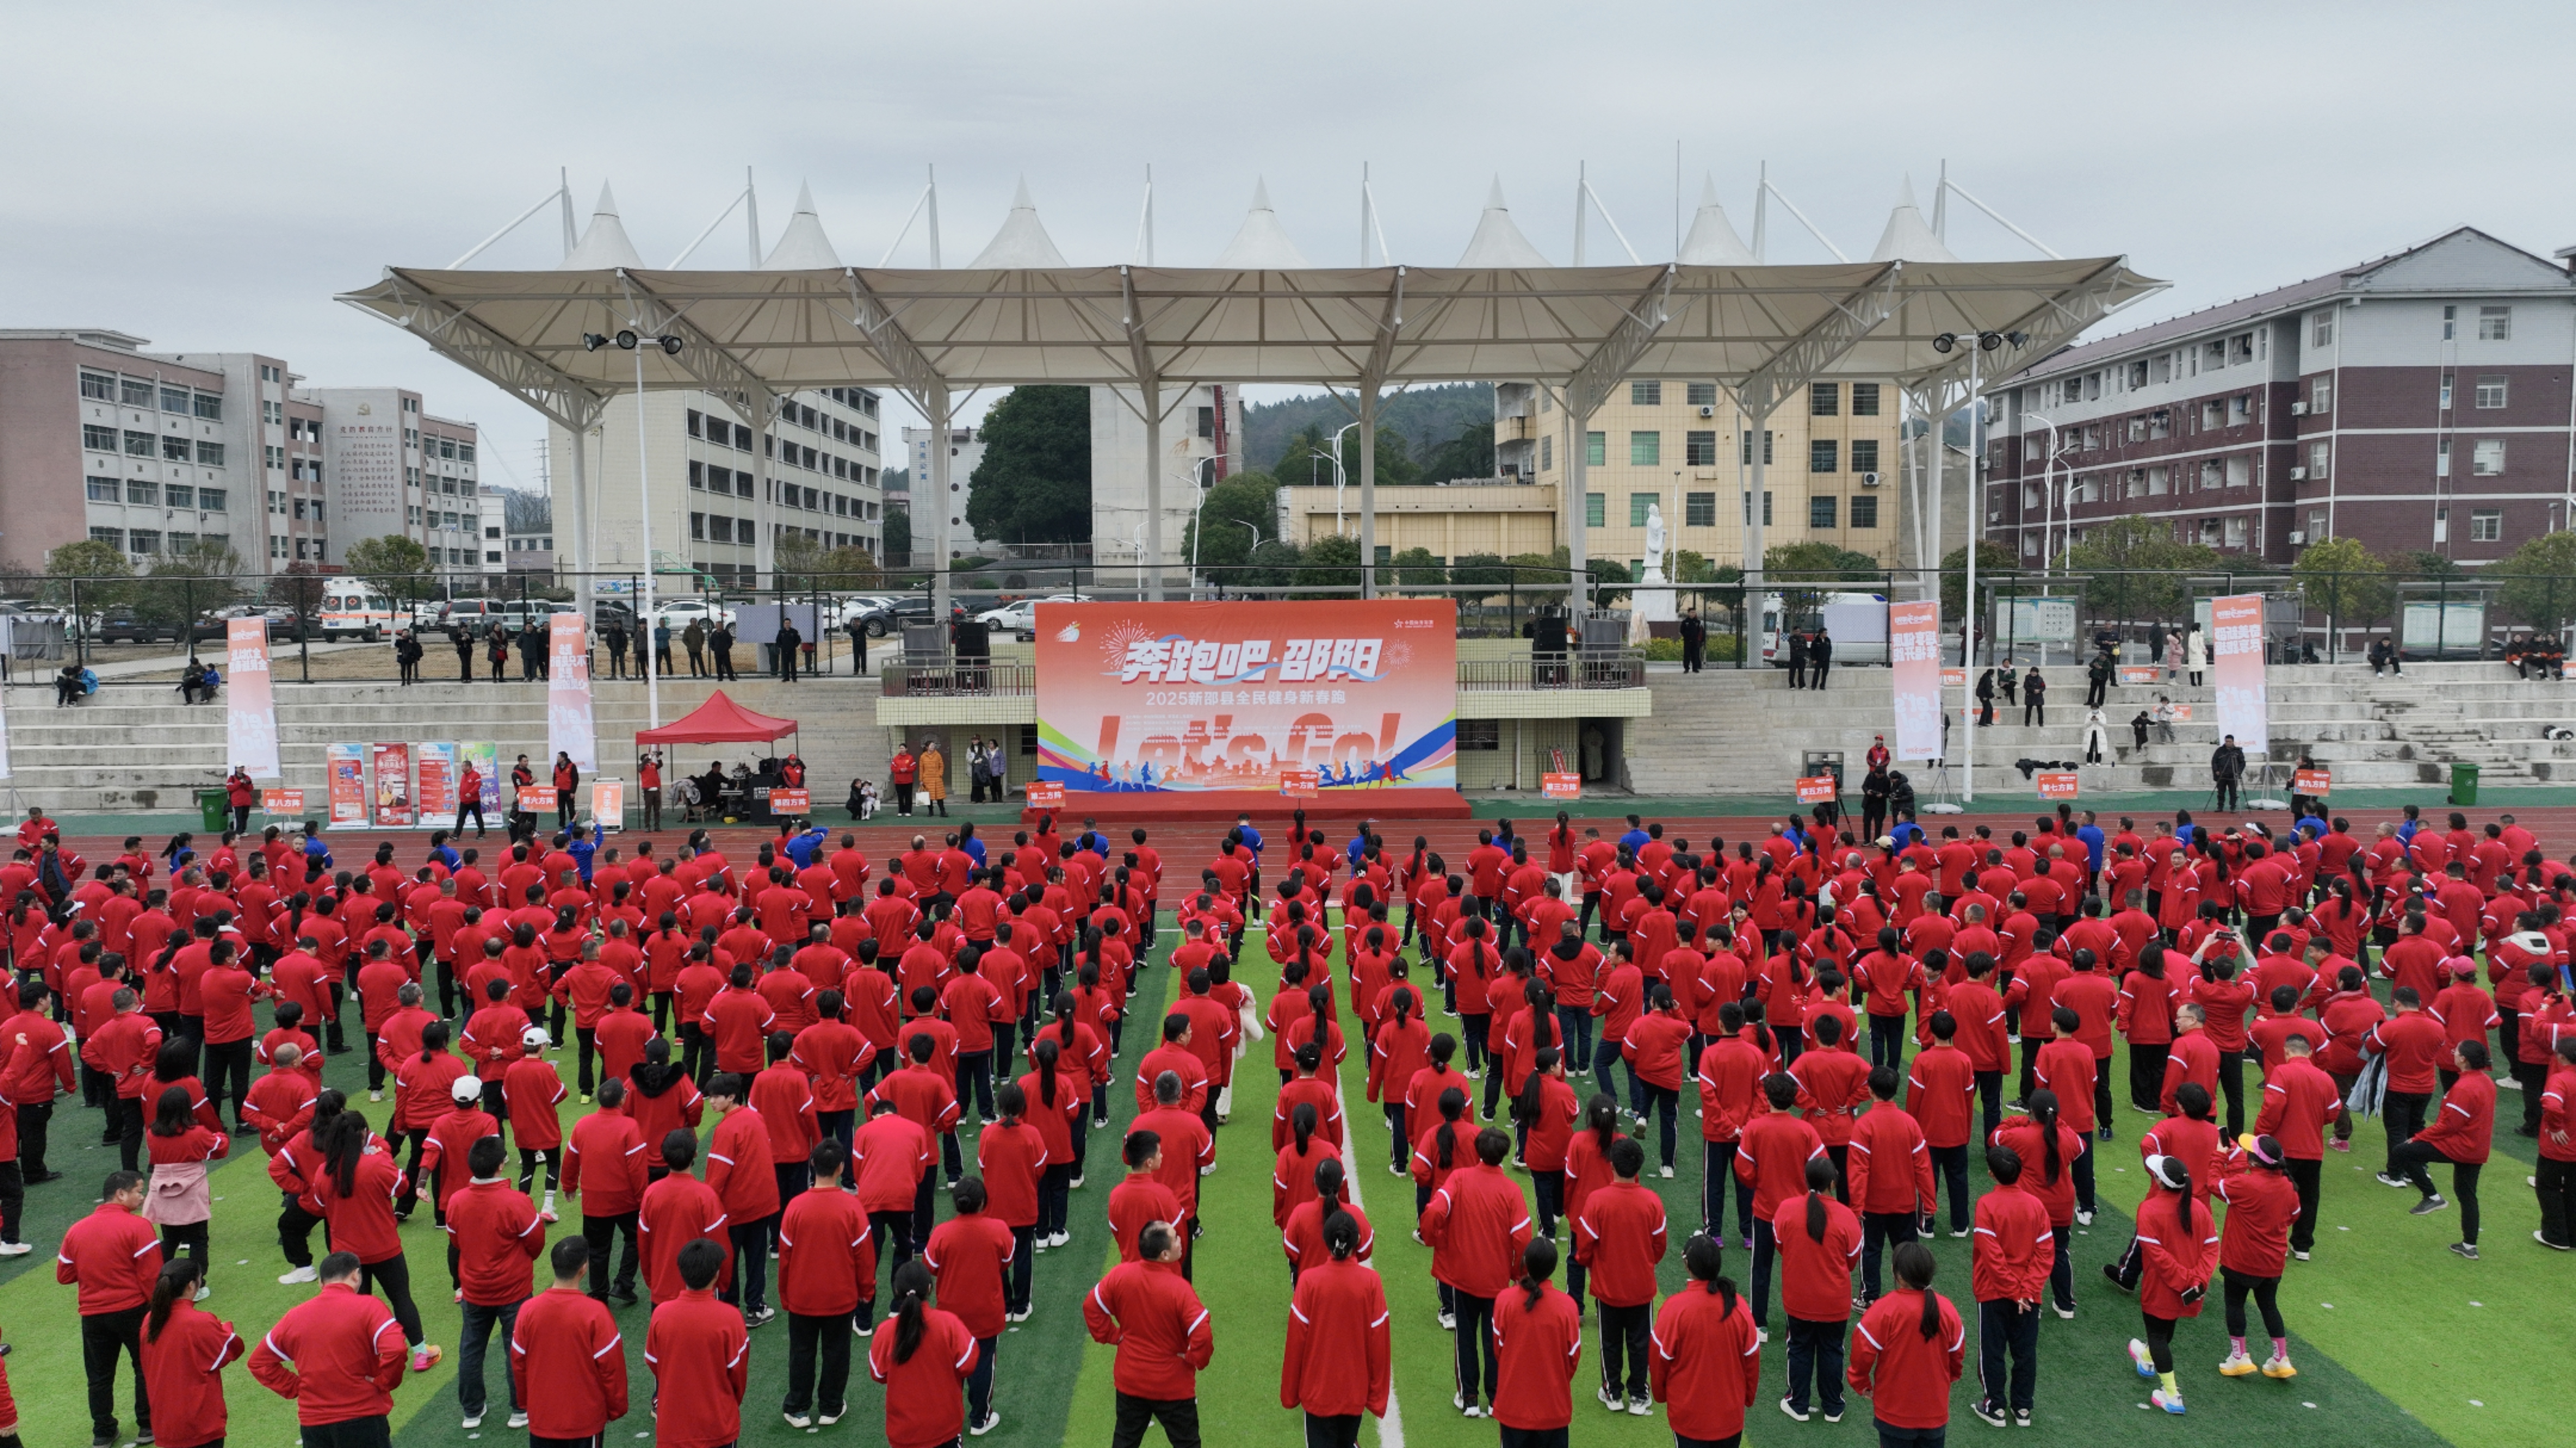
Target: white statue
(1654, 542)
(1650, 606)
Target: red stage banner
(1816, 789)
(2057, 784)
(570, 726)
(1561, 786)
(393, 796)
(1182, 697)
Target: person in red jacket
(114, 1257)
(1819, 1241)
(1145, 1310)
(1337, 1365)
(2253, 1248)
(1141, 1198)
(1538, 1337)
(676, 1211)
(337, 1354)
(534, 1094)
(1907, 1351)
(184, 1352)
(1891, 1171)
(1707, 1363)
(2008, 1266)
(1475, 1225)
(2556, 1181)
(1940, 1094)
(922, 1355)
(741, 1174)
(1620, 1238)
(567, 1340)
(2178, 1246)
(698, 1350)
(827, 1281)
(1772, 1166)
(2299, 1102)
(606, 1159)
(497, 1233)
(970, 1258)
(2461, 1134)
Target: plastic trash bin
(214, 807)
(2464, 783)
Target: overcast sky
(207, 176)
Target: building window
(143, 540)
(2321, 330)
(137, 490)
(2241, 408)
(1596, 449)
(134, 393)
(1699, 510)
(2446, 392)
(2320, 457)
(1699, 449)
(2138, 429)
(2318, 530)
(1864, 455)
(2236, 532)
(1747, 447)
(1645, 449)
(1820, 512)
(2487, 460)
(99, 387)
(2159, 480)
(697, 527)
(1701, 394)
(2213, 415)
(1480, 734)
(2495, 324)
(1547, 454)
(174, 449)
(2240, 471)
(2321, 395)
(1864, 399)
(2442, 458)
(1864, 512)
(1766, 508)
(1824, 455)
(105, 490)
(2486, 525)
(112, 537)
(1645, 394)
(210, 406)
(1595, 509)
(179, 495)
(1638, 503)
(2491, 391)
(1824, 399)
(174, 399)
(98, 439)
(139, 444)
(2160, 423)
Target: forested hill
(1424, 417)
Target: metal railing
(960, 679)
(1576, 669)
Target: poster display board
(437, 773)
(392, 797)
(570, 727)
(608, 804)
(250, 704)
(485, 758)
(345, 765)
(1186, 696)
(1914, 651)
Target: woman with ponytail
(2047, 1149)
(1588, 1169)
(1303, 1236)
(1544, 1113)
(1538, 1344)
(423, 1082)
(1053, 1103)
(1473, 965)
(1706, 1367)
(1338, 1363)
(1292, 1178)
(1909, 1348)
(184, 1352)
(357, 1192)
(2179, 1244)
(1399, 1048)
(923, 1356)
(1819, 1241)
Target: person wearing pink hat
(2261, 1204)
(2179, 1242)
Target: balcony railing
(1599, 669)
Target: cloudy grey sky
(209, 175)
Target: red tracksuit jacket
(1537, 1349)
(701, 1361)
(1338, 1359)
(1155, 1321)
(1890, 1166)
(1621, 1238)
(1477, 1226)
(827, 1262)
(1907, 1376)
(337, 1354)
(1706, 1363)
(567, 1341)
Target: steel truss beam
(453, 330)
(1808, 355)
(1639, 322)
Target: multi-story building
(102, 440)
(396, 471)
(2417, 402)
(965, 451)
(722, 495)
(1201, 439)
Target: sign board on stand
(608, 804)
(784, 801)
(2314, 783)
(393, 793)
(536, 798)
(281, 801)
(346, 768)
(1044, 795)
(1300, 783)
(1816, 789)
(2140, 673)
(2057, 784)
(1561, 786)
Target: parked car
(912, 608)
(1015, 618)
(679, 613)
(119, 625)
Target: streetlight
(2048, 492)
(1944, 344)
(1199, 514)
(1340, 477)
(627, 340)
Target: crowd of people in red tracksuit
(1851, 1014)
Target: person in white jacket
(2097, 736)
(2195, 653)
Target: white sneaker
(1667, 1172)
(473, 1420)
(1609, 1399)
(1059, 1239)
(794, 1420)
(1641, 1408)
(1448, 1322)
(301, 1274)
(203, 1292)
(518, 1419)
(16, 1249)
(992, 1420)
(379, 1096)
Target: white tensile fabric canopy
(1910, 317)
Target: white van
(351, 609)
(1857, 621)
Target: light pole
(1982, 343)
(2048, 492)
(1198, 516)
(1340, 478)
(627, 340)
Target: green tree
(1994, 560)
(1309, 459)
(2538, 583)
(1468, 455)
(2340, 578)
(1331, 562)
(1538, 572)
(1817, 565)
(898, 534)
(2426, 563)
(1235, 516)
(1479, 574)
(2135, 571)
(98, 566)
(1419, 568)
(804, 565)
(393, 565)
(1034, 484)
(186, 585)
(1272, 565)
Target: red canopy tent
(719, 721)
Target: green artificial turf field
(2397, 1341)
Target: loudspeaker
(1548, 634)
(974, 639)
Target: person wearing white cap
(533, 1093)
(2180, 1246)
(2261, 1204)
